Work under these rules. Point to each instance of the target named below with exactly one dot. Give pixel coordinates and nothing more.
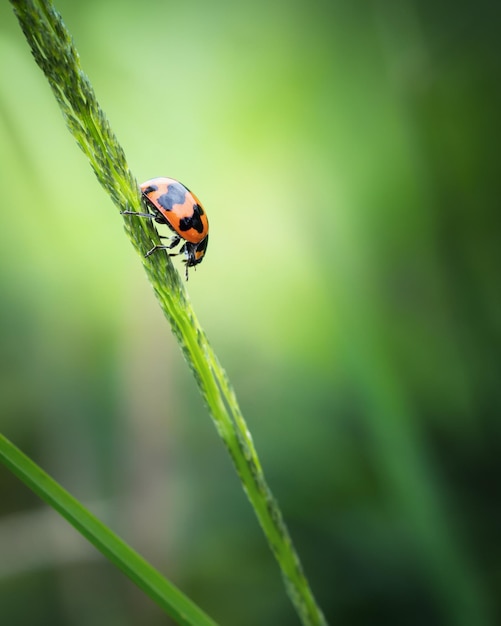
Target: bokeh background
(347, 154)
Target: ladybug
(176, 206)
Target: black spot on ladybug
(185, 224)
(149, 189)
(175, 195)
(194, 221)
(202, 246)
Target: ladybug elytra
(176, 206)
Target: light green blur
(346, 156)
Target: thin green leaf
(173, 601)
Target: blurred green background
(347, 154)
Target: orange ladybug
(176, 206)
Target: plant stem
(56, 55)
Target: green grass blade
(56, 55)
(164, 593)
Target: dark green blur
(347, 154)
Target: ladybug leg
(155, 214)
(189, 252)
(155, 248)
(173, 241)
(152, 217)
(158, 217)
(183, 250)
